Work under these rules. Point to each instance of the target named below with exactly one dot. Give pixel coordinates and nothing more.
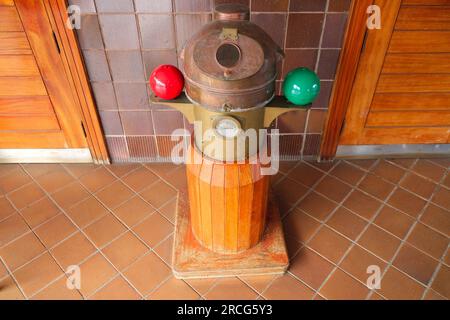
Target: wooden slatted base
(192, 260)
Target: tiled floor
(116, 222)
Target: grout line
(9, 273)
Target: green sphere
(301, 86)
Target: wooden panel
(420, 42)
(245, 206)
(369, 70)
(26, 105)
(204, 188)
(25, 122)
(9, 20)
(14, 43)
(31, 140)
(232, 184)
(417, 63)
(23, 86)
(414, 83)
(409, 119)
(426, 2)
(404, 135)
(411, 101)
(18, 65)
(6, 2)
(423, 18)
(345, 76)
(218, 203)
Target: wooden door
(37, 105)
(401, 93)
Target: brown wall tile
(270, 5)
(299, 58)
(126, 65)
(157, 31)
(273, 23)
(312, 144)
(334, 30)
(153, 6)
(117, 148)
(339, 5)
(193, 5)
(292, 122)
(244, 2)
(308, 5)
(167, 121)
(97, 65)
(119, 31)
(86, 6)
(154, 58)
(111, 122)
(291, 146)
(114, 6)
(188, 25)
(137, 122)
(316, 120)
(142, 148)
(132, 96)
(89, 34)
(304, 30)
(104, 95)
(327, 64)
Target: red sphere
(167, 82)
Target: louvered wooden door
(401, 93)
(37, 106)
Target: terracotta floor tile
(11, 228)
(174, 289)
(158, 194)
(37, 274)
(55, 230)
(162, 169)
(13, 180)
(379, 242)
(388, 171)
(87, 211)
(73, 250)
(138, 273)
(433, 295)
(317, 206)
(324, 166)
(305, 174)
(415, 263)
(6, 168)
(363, 163)
(58, 290)
(258, 283)
(9, 290)
(441, 283)
(117, 289)
(164, 250)
(6, 209)
(37, 170)
(153, 229)
(340, 286)
(54, 180)
(21, 250)
(347, 223)
(418, 185)
(70, 195)
(78, 170)
(394, 221)
(407, 202)
(121, 169)
(104, 230)
(362, 204)
(3, 271)
(231, 289)
(133, 211)
(125, 250)
(398, 286)
(310, 267)
(40, 212)
(376, 186)
(115, 194)
(347, 173)
(288, 288)
(140, 179)
(292, 246)
(443, 162)
(95, 272)
(447, 257)
(358, 260)
(300, 226)
(428, 240)
(26, 195)
(329, 244)
(333, 189)
(288, 192)
(437, 218)
(97, 179)
(286, 166)
(202, 286)
(442, 198)
(446, 181)
(169, 210)
(429, 169)
(405, 163)
(177, 179)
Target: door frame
(76, 73)
(345, 77)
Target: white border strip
(45, 156)
(394, 150)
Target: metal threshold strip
(393, 151)
(45, 156)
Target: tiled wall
(124, 40)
